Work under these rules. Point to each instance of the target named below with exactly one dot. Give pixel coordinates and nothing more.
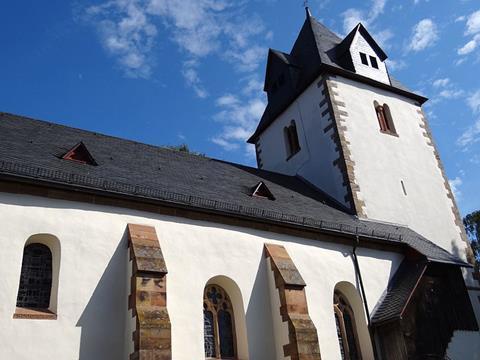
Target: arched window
(218, 324)
(36, 277)
(346, 328)
(291, 139)
(384, 117)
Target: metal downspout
(364, 298)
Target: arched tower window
(384, 117)
(36, 277)
(218, 324)
(346, 328)
(291, 139)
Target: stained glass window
(209, 333)
(36, 277)
(345, 321)
(218, 324)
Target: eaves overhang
(77, 183)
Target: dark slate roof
(316, 50)
(399, 291)
(32, 150)
(286, 58)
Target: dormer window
(373, 61)
(291, 139)
(364, 59)
(80, 154)
(262, 191)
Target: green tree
(472, 225)
(184, 148)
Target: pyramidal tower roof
(317, 50)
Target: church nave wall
(93, 290)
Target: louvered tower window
(36, 277)
(218, 324)
(291, 139)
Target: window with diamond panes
(346, 332)
(218, 324)
(36, 277)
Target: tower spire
(307, 8)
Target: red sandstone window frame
(384, 118)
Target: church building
(345, 243)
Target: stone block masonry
(148, 298)
(302, 334)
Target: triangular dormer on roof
(360, 53)
(261, 190)
(80, 154)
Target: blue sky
(167, 72)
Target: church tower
(337, 118)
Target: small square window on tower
(373, 61)
(363, 57)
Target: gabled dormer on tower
(360, 53)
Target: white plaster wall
(315, 160)
(92, 294)
(382, 161)
(465, 345)
(359, 44)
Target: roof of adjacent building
(34, 150)
(399, 291)
(318, 50)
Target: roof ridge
(51, 123)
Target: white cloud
(472, 28)
(446, 90)
(395, 65)
(239, 115)
(383, 37)
(424, 35)
(451, 93)
(130, 28)
(352, 16)
(455, 186)
(441, 82)
(190, 74)
(128, 35)
(470, 46)
(246, 60)
(377, 9)
(470, 136)
(473, 23)
(474, 101)
(227, 100)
